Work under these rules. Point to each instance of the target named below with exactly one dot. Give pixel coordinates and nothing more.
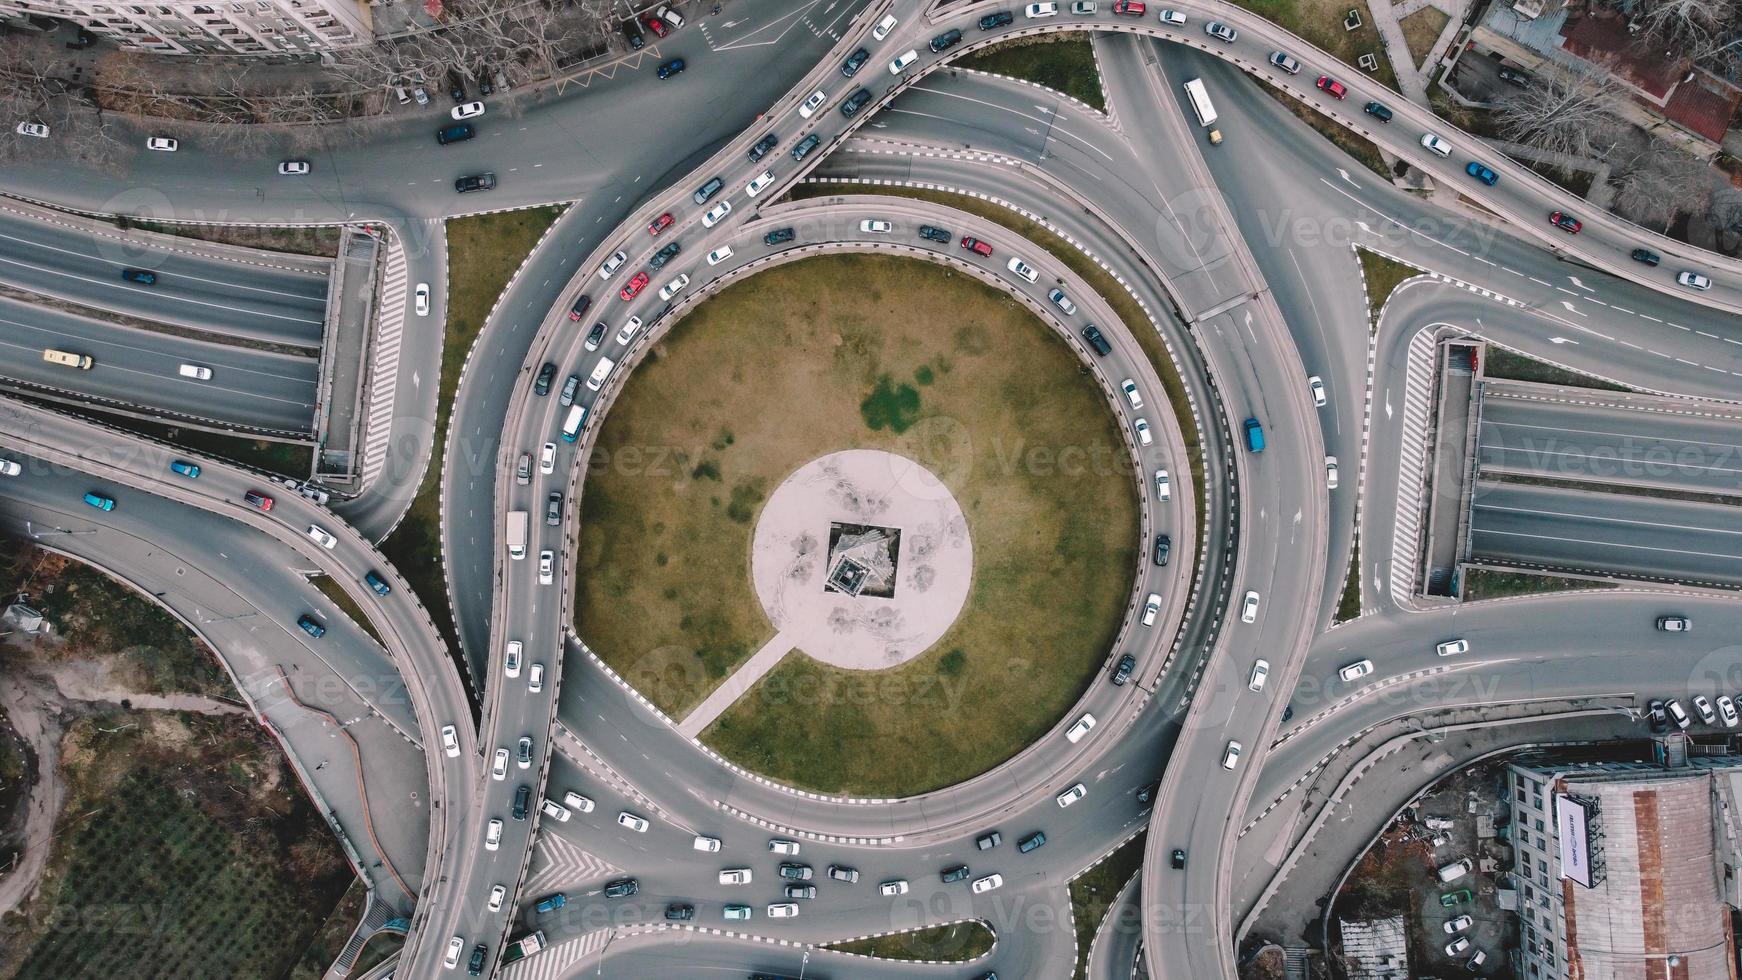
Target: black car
(475, 965)
(143, 277)
(795, 872)
(707, 190)
(1647, 256)
(664, 255)
(596, 335)
(992, 22)
(1378, 111)
(1031, 842)
(954, 874)
(988, 840)
(457, 133)
(854, 62)
(1179, 858)
(935, 234)
(456, 88)
(946, 40)
(1514, 76)
(805, 146)
(680, 913)
(1163, 545)
(484, 85)
(1096, 341)
(622, 888)
(633, 35)
(762, 147)
(553, 508)
(522, 798)
(475, 182)
(1122, 671)
(855, 102)
(779, 236)
(580, 308)
(546, 375)
(673, 67)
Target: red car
(660, 224)
(976, 246)
(1128, 8)
(656, 25)
(1566, 222)
(258, 499)
(633, 287)
(1332, 87)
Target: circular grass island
(811, 360)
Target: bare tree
(1564, 111)
(1693, 29)
(1661, 182)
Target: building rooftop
(1602, 39)
(1376, 949)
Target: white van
(601, 371)
(196, 372)
(1455, 870)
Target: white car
(719, 255)
(1083, 726)
(451, 741)
(674, 287)
(896, 887)
(1231, 755)
(883, 27)
(625, 335)
(293, 168)
(575, 801)
(876, 226)
(905, 59)
(1727, 711)
(716, 213)
(1457, 946)
(1433, 143)
(456, 946)
(1704, 707)
(1260, 673)
(1249, 608)
(554, 810)
(546, 567)
(1452, 648)
(535, 679)
(1072, 795)
(511, 662)
(493, 835)
(1221, 32)
(757, 184)
(735, 876)
(498, 894)
(1316, 385)
(1084, 8)
(613, 263)
(523, 752)
(1144, 436)
(468, 110)
(1129, 387)
(669, 16)
(1173, 18)
(499, 767)
(1693, 280)
(707, 844)
(321, 537)
(1458, 925)
(10, 467)
(1356, 670)
(1063, 302)
(547, 459)
(1036, 10)
(1151, 608)
(1163, 488)
(812, 104)
(1331, 472)
(165, 143)
(633, 821)
(420, 297)
(780, 846)
(986, 884)
(782, 910)
(38, 130)
(735, 913)
(1022, 269)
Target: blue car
(99, 501)
(550, 903)
(375, 582)
(189, 470)
(673, 67)
(141, 276)
(311, 627)
(1482, 173)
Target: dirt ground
(1421, 29)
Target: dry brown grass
(1421, 29)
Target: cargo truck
(517, 534)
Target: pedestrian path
(384, 370)
(734, 687)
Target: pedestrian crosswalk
(1411, 463)
(559, 960)
(390, 313)
(560, 864)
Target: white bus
(1203, 107)
(572, 425)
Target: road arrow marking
(1363, 226)
(1570, 308)
(1345, 175)
(1579, 285)
(1561, 340)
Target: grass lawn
(1321, 22)
(339, 597)
(1383, 276)
(1062, 62)
(187, 849)
(956, 943)
(1093, 892)
(1490, 583)
(1421, 29)
(853, 351)
(1349, 606)
(494, 245)
(1498, 362)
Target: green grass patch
(1349, 606)
(1383, 276)
(1093, 892)
(1498, 362)
(959, 942)
(339, 597)
(494, 245)
(1011, 423)
(187, 849)
(1491, 583)
(1062, 62)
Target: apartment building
(284, 28)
